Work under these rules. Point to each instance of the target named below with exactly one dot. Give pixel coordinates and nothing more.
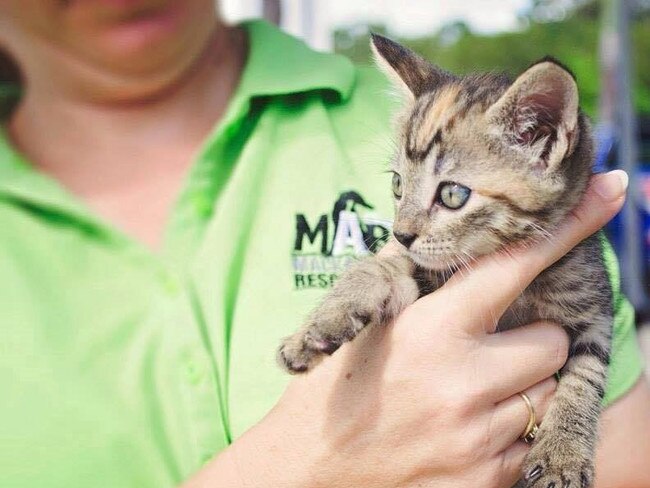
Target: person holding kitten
(175, 196)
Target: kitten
(484, 162)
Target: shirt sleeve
(626, 362)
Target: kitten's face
(460, 188)
(482, 162)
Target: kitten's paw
(322, 336)
(558, 465)
(370, 292)
(303, 350)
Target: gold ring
(530, 432)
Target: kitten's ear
(413, 74)
(539, 113)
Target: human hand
(432, 400)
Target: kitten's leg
(564, 451)
(373, 291)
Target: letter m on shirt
(303, 230)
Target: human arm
(624, 448)
(428, 400)
(331, 431)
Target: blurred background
(606, 43)
(462, 36)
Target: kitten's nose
(405, 239)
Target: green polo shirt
(124, 367)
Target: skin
(433, 403)
(110, 88)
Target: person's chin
(145, 43)
(139, 33)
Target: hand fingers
(511, 461)
(521, 357)
(496, 280)
(510, 417)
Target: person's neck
(106, 153)
(49, 125)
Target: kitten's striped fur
(525, 151)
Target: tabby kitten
(484, 162)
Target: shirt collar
(301, 70)
(279, 64)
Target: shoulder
(302, 83)
(372, 92)
(363, 121)
(371, 98)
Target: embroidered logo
(325, 246)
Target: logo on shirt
(327, 244)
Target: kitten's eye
(453, 195)
(397, 186)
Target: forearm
(624, 449)
(267, 456)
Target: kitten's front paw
(301, 351)
(370, 292)
(331, 325)
(558, 464)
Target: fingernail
(611, 186)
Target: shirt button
(170, 284)
(203, 205)
(195, 373)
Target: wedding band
(531, 429)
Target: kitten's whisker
(545, 234)
(450, 270)
(372, 243)
(465, 265)
(461, 268)
(469, 258)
